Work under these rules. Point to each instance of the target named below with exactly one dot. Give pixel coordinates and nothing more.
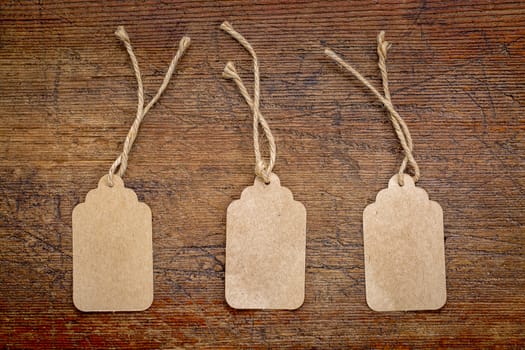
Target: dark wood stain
(67, 97)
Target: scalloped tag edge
(112, 250)
(404, 250)
(265, 248)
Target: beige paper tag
(112, 250)
(265, 248)
(404, 250)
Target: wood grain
(67, 96)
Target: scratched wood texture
(68, 97)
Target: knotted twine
(263, 169)
(398, 123)
(121, 163)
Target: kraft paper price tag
(112, 250)
(404, 250)
(265, 248)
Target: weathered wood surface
(68, 97)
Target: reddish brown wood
(67, 97)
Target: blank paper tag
(112, 250)
(265, 248)
(404, 250)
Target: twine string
(400, 127)
(263, 168)
(121, 163)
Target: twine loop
(400, 127)
(263, 168)
(121, 163)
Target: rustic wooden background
(67, 98)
